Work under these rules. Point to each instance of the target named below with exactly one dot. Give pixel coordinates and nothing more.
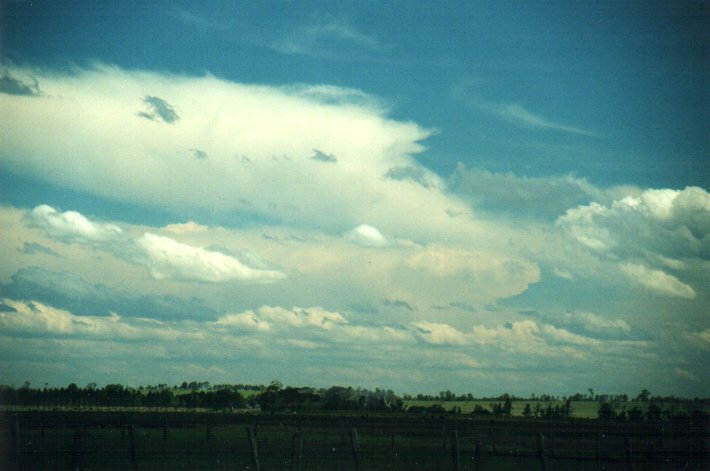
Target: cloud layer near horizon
(280, 197)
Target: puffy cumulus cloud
(644, 236)
(510, 334)
(247, 320)
(565, 336)
(260, 142)
(164, 257)
(33, 318)
(672, 223)
(367, 236)
(299, 317)
(301, 334)
(657, 280)
(594, 325)
(167, 258)
(439, 334)
(72, 226)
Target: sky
(478, 196)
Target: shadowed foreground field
(99, 440)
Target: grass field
(177, 440)
(580, 409)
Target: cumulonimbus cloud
(241, 152)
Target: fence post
(455, 450)
(355, 448)
(15, 442)
(479, 454)
(132, 447)
(541, 452)
(629, 455)
(443, 438)
(252, 447)
(296, 450)
(76, 452)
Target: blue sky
(480, 196)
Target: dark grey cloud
(6, 308)
(464, 306)
(415, 174)
(33, 248)
(13, 86)
(397, 303)
(66, 290)
(323, 157)
(159, 109)
(519, 196)
(199, 154)
(363, 307)
(461, 305)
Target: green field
(100, 440)
(580, 409)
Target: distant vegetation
(278, 398)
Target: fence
(229, 441)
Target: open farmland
(200, 440)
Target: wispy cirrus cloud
(518, 115)
(514, 113)
(195, 20)
(325, 38)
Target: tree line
(277, 398)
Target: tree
(653, 413)
(644, 395)
(527, 412)
(606, 411)
(507, 405)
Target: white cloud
(657, 280)
(39, 319)
(259, 140)
(72, 226)
(565, 336)
(164, 257)
(367, 236)
(186, 228)
(596, 324)
(246, 319)
(167, 258)
(643, 236)
(299, 317)
(439, 334)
